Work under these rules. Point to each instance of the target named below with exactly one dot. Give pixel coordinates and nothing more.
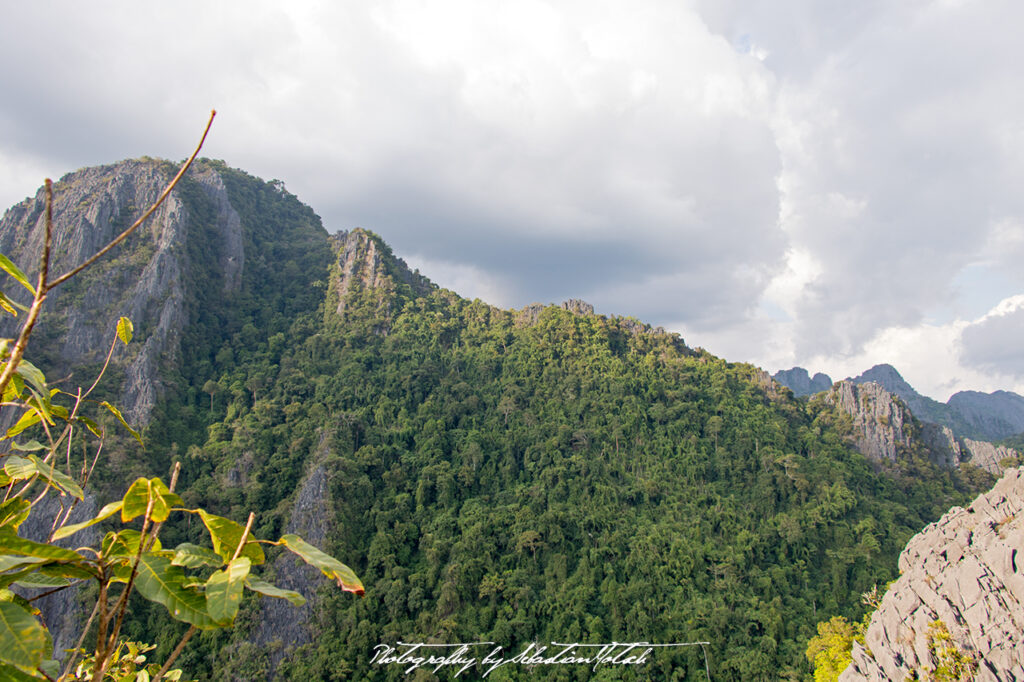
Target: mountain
(801, 383)
(963, 570)
(542, 475)
(883, 429)
(970, 414)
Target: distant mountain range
(970, 414)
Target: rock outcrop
(970, 414)
(801, 383)
(364, 263)
(967, 570)
(884, 428)
(882, 424)
(144, 279)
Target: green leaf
(105, 513)
(48, 575)
(343, 575)
(8, 673)
(51, 668)
(24, 571)
(269, 590)
(23, 636)
(19, 468)
(9, 561)
(193, 556)
(136, 501)
(40, 579)
(34, 376)
(160, 581)
(16, 387)
(120, 417)
(224, 590)
(226, 534)
(125, 544)
(92, 426)
(13, 512)
(58, 478)
(29, 418)
(10, 305)
(14, 271)
(31, 446)
(14, 598)
(125, 329)
(12, 544)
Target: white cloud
(797, 180)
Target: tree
(211, 388)
(830, 650)
(197, 585)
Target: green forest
(508, 476)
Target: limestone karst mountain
(967, 571)
(884, 429)
(513, 476)
(968, 415)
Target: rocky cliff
(145, 278)
(969, 414)
(885, 429)
(966, 570)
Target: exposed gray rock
(884, 428)
(967, 570)
(143, 279)
(801, 383)
(283, 626)
(363, 262)
(992, 416)
(986, 455)
(882, 425)
(970, 414)
(578, 307)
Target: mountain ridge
(972, 414)
(517, 476)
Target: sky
(821, 183)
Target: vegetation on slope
(511, 476)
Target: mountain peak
(364, 265)
(798, 380)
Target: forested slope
(507, 476)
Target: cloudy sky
(826, 183)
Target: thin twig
(122, 604)
(37, 300)
(158, 526)
(245, 534)
(124, 235)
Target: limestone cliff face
(882, 424)
(364, 265)
(143, 279)
(884, 430)
(967, 569)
